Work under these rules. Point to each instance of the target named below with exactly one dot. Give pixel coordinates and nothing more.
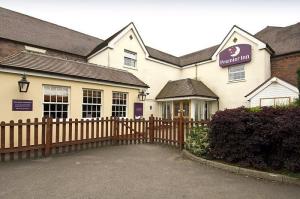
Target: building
(74, 75)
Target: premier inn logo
(233, 55)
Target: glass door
(182, 106)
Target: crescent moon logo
(237, 51)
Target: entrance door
(182, 106)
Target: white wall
(232, 94)
(155, 74)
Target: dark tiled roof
(26, 61)
(199, 56)
(162, 56)
(22, 28)
(283, 40)
(185, 88)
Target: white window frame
(92, 103)
(274, 100)
(119, 105)
(232, 73)
(63, 103)
(132, 57)
(164, 109)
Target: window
(56, 101)
(91, 106)
(166, 110)
(202, 110)
(236, 73)
(119, 104)
(280, 101)
(129, 58)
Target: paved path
(135, 171)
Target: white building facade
(230, 84)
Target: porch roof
(185, 88)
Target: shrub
(197, 140)
(268, 138)
(298, 78)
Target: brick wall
(8, 47)
(285, 67)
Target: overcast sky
(174, 26)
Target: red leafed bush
(264, 139)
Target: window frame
(274, 100)
(92, 104)
(68, 103)
(120, 105)
(164, 109)
(236, 72)
(130, 58)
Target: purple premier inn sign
(236, 54)
(22, 105)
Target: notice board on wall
(22, 105)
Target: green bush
(197, 140)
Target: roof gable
(236, 29)
(267, 83)
(112, 40)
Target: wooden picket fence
(19, 140)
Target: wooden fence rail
(27, 139)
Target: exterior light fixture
(23, 84)
(142, 95)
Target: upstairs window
(236, 73)
(129, 58)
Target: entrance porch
(191, 97)
(192, 108)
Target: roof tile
(53, 65)
(185, 88)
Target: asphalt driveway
(134, 171)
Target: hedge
(264, 139)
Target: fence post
(181, 130)
(48, 137)
(116, 130)
(151, 129)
